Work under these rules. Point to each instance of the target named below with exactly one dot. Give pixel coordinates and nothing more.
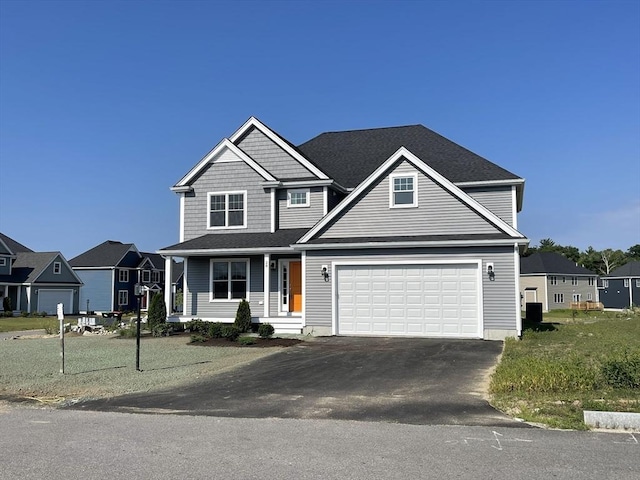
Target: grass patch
(14, 324)
(560, 369)
(99, 366)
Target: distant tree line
(602, 262)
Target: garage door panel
(48, 300)
(415, 300)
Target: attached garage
(409, 299)
(48, 300)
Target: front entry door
(295, 287)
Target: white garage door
(48, 300)
(408, 300)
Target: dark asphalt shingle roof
(107, 254)
(551, 263)
(281, 238)
(14, 246)
(412, 238)
(631, 269)
(155, 258)
(351, 156)
(28, 266)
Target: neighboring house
(388, 231)
(621, 288)
(36, 281)
(111, 270)
(555, 281)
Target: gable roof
(155, 259)
(630, 269)
(12, 245)
(349, 157)
(403, 153)
(28, 266)
(551, 263)
(107, 254)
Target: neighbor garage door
(48, 300)
(408, 300)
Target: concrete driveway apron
(404, 380)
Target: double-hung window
(227, 210)
(123, 276)
(229, 279)
(123, 297)
(403, 190)
(574, 280)
(626, 283)
(553, 280)
(57, 268)
(298, 197)
(558, 297)
(146, 276)
(155, 276)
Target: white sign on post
(60, 310)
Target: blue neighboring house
(111, 270)
(621, 288)
(36, 281)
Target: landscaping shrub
(198, 326)
(197, 338)
(265, 330)
(243, 317)
(129, 331)
(230, 332)
(215, 330)
(162, 330)
(24, 314)
(246, 341)
(622, 371)
(52, 327)
(157, 312)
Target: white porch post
(267, 263)
(168, 273)
(185, 285)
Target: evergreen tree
(157, 312)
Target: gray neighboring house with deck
(555, 281)
(388, 231)
(621, 288)
(36, 281)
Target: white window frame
(574, 281)
(155, 276)
(589, 296)
(229, 261)
(576, 297)
(392, 191)
(121, 294)
(625, 282)
(123, 275)
(226, 225)
(564, 279)
(3, 262)
(553, 280)
(637, 283)
(591, 281)
(307, 193)
(605, 283)
(558, 298)
(146, 276)
(57, 268)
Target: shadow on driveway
(402, 380)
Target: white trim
(516, 266)
(168, 291)
(3, 261)
(306, 191)
(402, 152)
(211, 158)
(401, 244)
(185, 285)
(120, 272)
(226, 209)
(325, 200)
(303, 270)
(254, 122)
(228, 251)
(440, 261)
(274, 204)
(40, 290)
(266, 282)
(392, 191)
(282, 294)
(59, 265)
(480, 183)
(181, 227)
(247, 261)
(514, 208)
(126, 292)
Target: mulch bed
(259, 343)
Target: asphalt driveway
(403, 380)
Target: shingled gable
(403, 153)
(106, 255)
(11, 245)
(551, 263)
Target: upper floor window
(564, 279)
(146, 276)
(3, 261)
(155, 276)
(57, 268)
(229, 279)
(403, 190)
(553, 280)
(626, 283)
(605, 283)
(227, 210)
(574, 280)
(298, 198)
(591, 281)
(637, 283)
(123, 276)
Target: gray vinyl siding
(499, 296)
(497, 199)
(97, 289)
(65, 275)
(438, 213)
(299, 217)
(197, 298)
(271, 157)
(583, 288)
(226, 177)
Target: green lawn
(570, 363)
(14, 324)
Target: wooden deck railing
(587, 306)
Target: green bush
(157, 313)
(243, 317)
(265, 330)
(24, 314)
(197, 338)
(198, 326)
(129, 331)
(51, 327)
(40, 314)
(246, 341)
(230, 332)
(162, 330)
(622, 371)
(215, 330)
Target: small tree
(6, 304)
(243, 317)
(157, 313)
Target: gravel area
(104, 366)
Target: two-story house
(555, 281)
(111, 270)
(387, 231)
(621, 288)
(36, 281)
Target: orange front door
(295, 286)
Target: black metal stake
(138, 338)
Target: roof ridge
(374, 128)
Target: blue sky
(104, 105)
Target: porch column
(267, 262)
(168, 274)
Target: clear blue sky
(104, 105)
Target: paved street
(83, 445)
